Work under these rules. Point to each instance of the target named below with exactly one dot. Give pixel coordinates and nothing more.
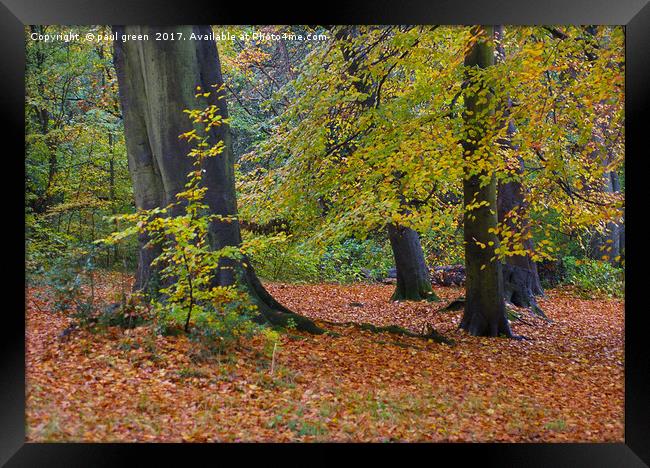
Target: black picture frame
(634, 14)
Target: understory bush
(188, 300)
(44, 247)
(355, 260)
(348, 261)
(66, 277)
(282, 260)
(47, 248)
(594, 276)
(218, 324)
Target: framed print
(290, 231)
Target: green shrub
(355, 260)
(283, 260)
(217, 316)
(129, 313)
(64, 279)
(345, 262)
(45, 248)
(595, 276)
(217, 326)
(66, 276)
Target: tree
(74, 172)
(156, 80)
(352, 168)
(412, 272)
(520, 278)
(570, 128)
(608, 244)
(484, 313)
(355, 69)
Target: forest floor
(566, 383)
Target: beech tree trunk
(604, 245)
(520, 278)
(413, 279)
(608, 245)
(157, 81)
(484, 313)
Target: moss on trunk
(484, 312)
(157, 81)
(413, 280)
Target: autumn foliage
(564, 384)
(270, 269)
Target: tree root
(428, 296)
(534, 309)
(285, 319)
(272, 311)
(430, 334)
(456, 304)
(514, 315)
(519, 338)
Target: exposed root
(284, 319)
(273, 312)
(536, 310)
(430, 333)
(514, 315)
(456, 304)
(428, 296)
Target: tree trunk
(157, 81)
(510, 198)
(520, 278)
(143, 166)
(484, 313)
(604, 245)
(607, 245)
(413, 280)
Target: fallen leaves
(564, 384)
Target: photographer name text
(177, 36)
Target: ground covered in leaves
(563, 384)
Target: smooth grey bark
(604, 245)
(143, 166)
(413, 279)
(608, 244)
(484, 308)
(520, 277)
(157, 81)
